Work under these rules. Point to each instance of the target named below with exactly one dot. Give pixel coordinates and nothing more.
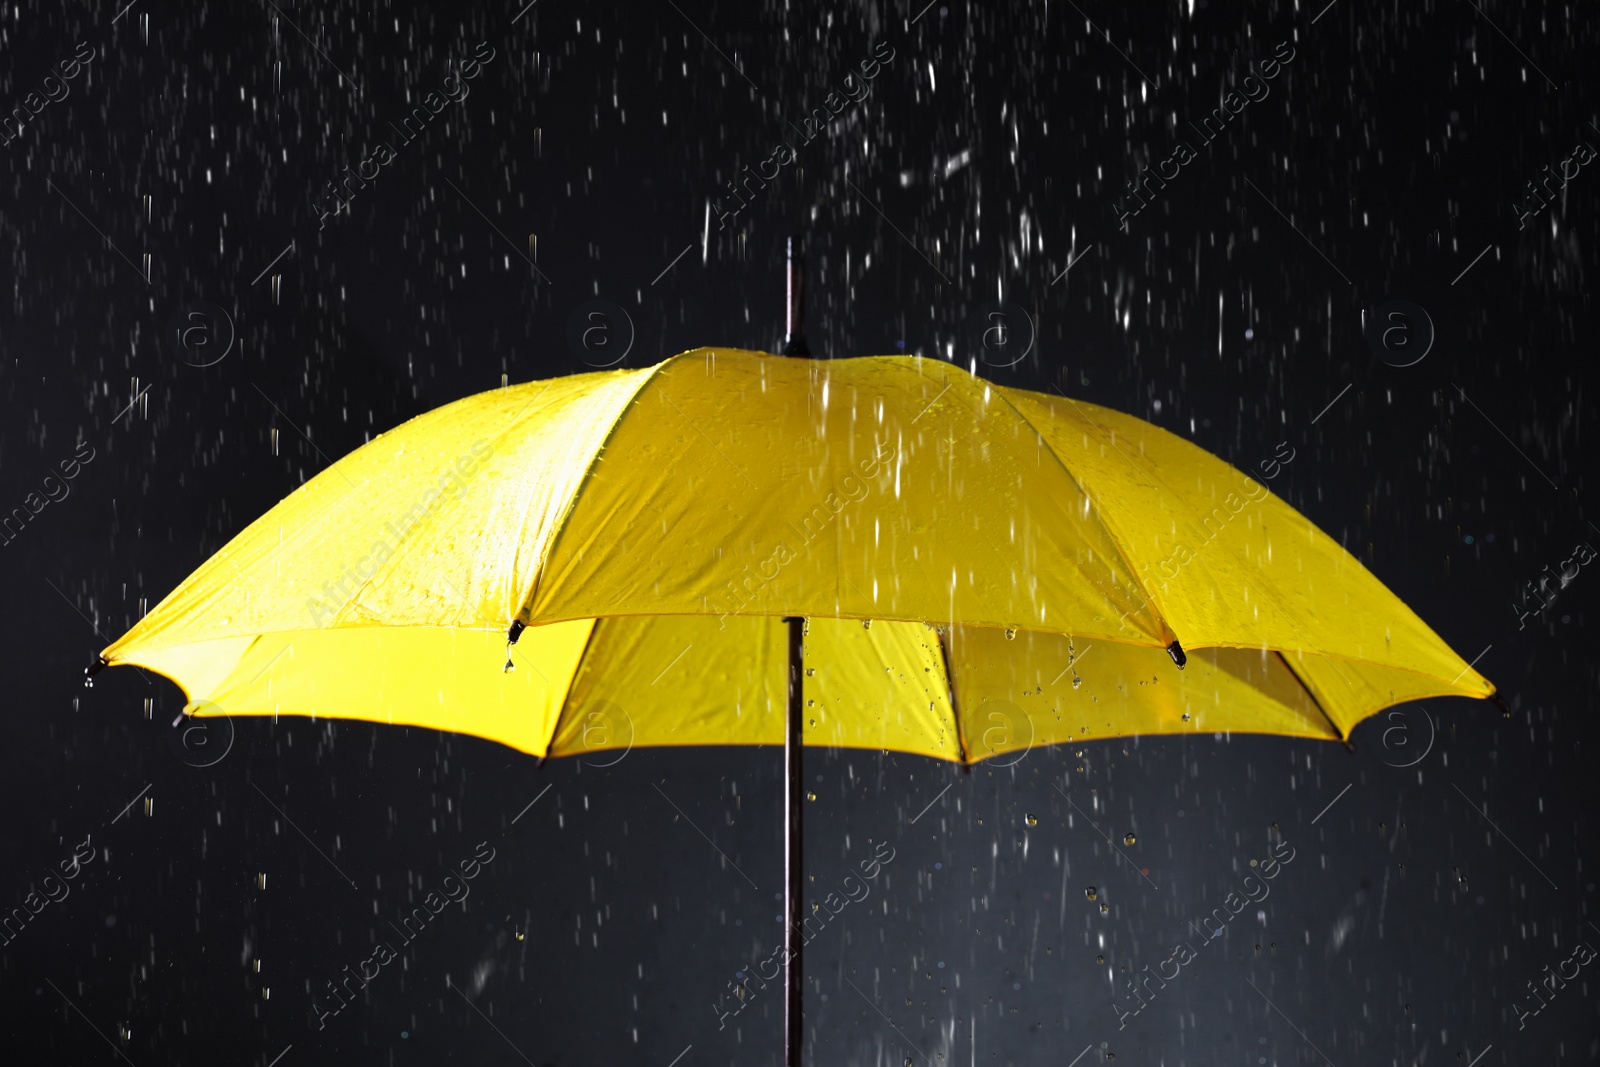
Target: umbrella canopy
(983, 569)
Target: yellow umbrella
(956, 545)
(960, 569)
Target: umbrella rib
(1338, 733)
(1155, 482)
(588, 473)
(950, 687)
(1133, 575)
(572, 680)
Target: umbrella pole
(793, 888)
(794, 344)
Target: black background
(1388, 156)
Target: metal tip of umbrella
(1175, 650)
(794, 335)
(517, 626)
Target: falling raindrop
(1128, 838)
(1011, 633)
(1092, 893)
(866, 624)
(811, 796)
(811, 672)
(1031, 820)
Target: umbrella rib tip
(1175, 650)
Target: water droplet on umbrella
(811, 672)
(1011, 633)
(1076, 681)
(811, 722)
(810, 703)
(1092, 893)
(1128, 838)
(1186, 716)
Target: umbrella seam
(577, 492)
(1150, 599)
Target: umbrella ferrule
(93, 669)
(1175, 650)
(794, 333)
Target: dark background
(985, 160)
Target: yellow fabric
(689, 506)
(438, 677)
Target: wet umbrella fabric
(984, 569)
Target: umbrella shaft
(793, 885)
